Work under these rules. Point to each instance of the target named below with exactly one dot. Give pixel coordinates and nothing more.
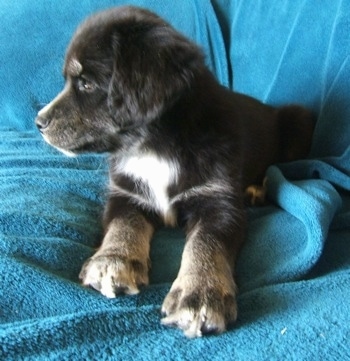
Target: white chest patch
(153, 175)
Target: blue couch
(294, 269)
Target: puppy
(183, 149)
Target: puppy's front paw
(112, 275)
(200, 306)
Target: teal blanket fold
(294, 269)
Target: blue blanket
(294, 270)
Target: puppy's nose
(42, 123)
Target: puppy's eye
(85, 85)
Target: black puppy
(183, 151)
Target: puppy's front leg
(202, 299)
(121, 263)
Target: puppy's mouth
(71, 140)
(68, 151)
(82, 145)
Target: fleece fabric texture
(294, 269)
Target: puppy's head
(124, 68)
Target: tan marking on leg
(122, 262)
(255, 195)
(202, 298)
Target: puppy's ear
(153, 67)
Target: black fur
(145, 88)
